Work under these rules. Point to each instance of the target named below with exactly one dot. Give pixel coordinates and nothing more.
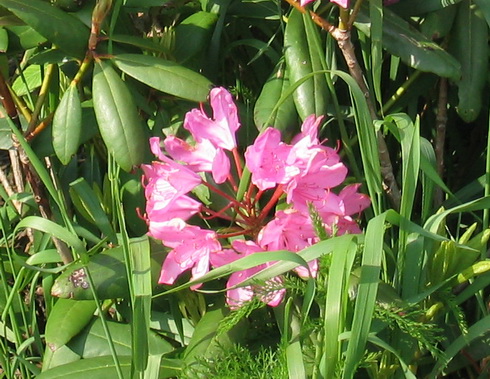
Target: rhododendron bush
(244, 189)
(271, 214)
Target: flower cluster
(298, 175)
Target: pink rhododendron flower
(192, 247)
(165, 193)
(179, 176)
(239, 295)
(267, 160)
(299, 175)
(353, 201)
(221, 129)
(201, 157)
(290, 230)
(309, 129)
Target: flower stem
(275, 196)
(238, 163)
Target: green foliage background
(85, 83)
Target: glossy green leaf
(30, 81)
(93, 368)
(62, 29)
(67, 125)
(484, 7)
(119, 123)
(437, 24)
(469, 44)
(108, 273)
(418, 7)
(413, 47)
(48, 226)
(4, 40)
(302, 59)
(192, 35)
(205, 341)
(265, 111)
(142, 289)
(108, 270)
(67, 319)
(92, 342)
(61, 356)
(366, 295)
(165, 76)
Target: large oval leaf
(268, 112)
(413, 48)
(67, 319)
(60, 28)
(67, 125)
(469, 44)
(302, 59)
(192, 35)
(108, 273)
(165, 76)
(117, 116)
(92, 341)
(93, 368)
(414, 7)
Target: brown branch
(344, 41)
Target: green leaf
(192, 35)
(4, 40)
(58, 231)
(23, 37)
(165, 76)
(302, 59)
(62, 29)
(413, 47)
(31, 80)
(67, 125)
(92, 342)
(476, 330)
(366, 295)
(206, 341)
(93, 368)
(484, 7)
(119, 123)
(469, 44)
(91, 208)
(141, 271)
(67, 319)
(415, 7)
(108, 274)
(266, 113)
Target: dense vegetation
(399, 291)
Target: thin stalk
(238, 163)
(42, 96)
(400, 92)
(273, 201)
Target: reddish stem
(234, 234)
(275, 196)
(216, 214)
(238, 163)
(236, 205)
